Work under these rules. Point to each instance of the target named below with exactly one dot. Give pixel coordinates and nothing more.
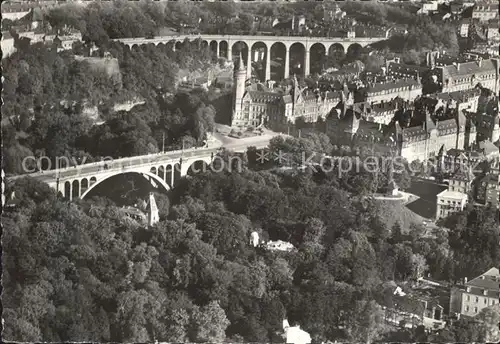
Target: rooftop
(488, 281)
(452, 195)
(391, 85)
(468, 68)
(469, 154)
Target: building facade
(449, 161)
(485, 11)
(471, 297)
(407, 89)
(256, 105)
(467, 75)
(412, 134)
(488, 190)
(449, 202)
(488, 126)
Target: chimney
(465, 280)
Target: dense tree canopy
(194, 276)
(54, 103)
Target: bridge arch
(336, 48)
(198, 165)
(354, 50)
(317, 58)
(67, 189)
(258, 55)
(203, 44)
(144, 174)
(297, 58)
(240, 46)
(214, 47)
(75, 189)
(84, 185)
(223, 48)
(278, 57)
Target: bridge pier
(287, 63)
(229, 51)
(268, 64)
(249, 63)
(217, 49)
(307, 62)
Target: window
(477, 299)
(475, 309)
(485, 301)
(466, 308)
(468, 297)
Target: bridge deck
(253, 38)
(118, 164)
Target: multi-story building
(407, 89)
(464, 28)
(397, 69)
(488, 126)
(428, 7)
(458, 158)
(485, 11)
(471, 297)
(459, 100)
(467, 75)
(423, 134)
(450, 202)
(492, 32)
(414, 135)
(488, 189)
(383, 112)
(461, 180)
(258, 106)
(346, 126)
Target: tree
(366, 323)
(209, 323)
(490, 317)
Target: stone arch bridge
(162, 170)
(268, 42)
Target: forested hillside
(46, 93)
(83, 272)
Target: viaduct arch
(225, 44)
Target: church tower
(152, 209)
(240, 76)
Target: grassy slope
(392, 211)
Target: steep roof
(264, 97)
(487, 281)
